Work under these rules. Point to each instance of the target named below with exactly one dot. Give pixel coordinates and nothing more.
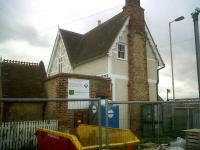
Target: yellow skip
(86, 137)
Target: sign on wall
(80, 89)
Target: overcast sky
(28, 30)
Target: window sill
(122, 59)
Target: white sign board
(78, 88)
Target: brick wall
(137, 61)
(0, 88)
(23, 111)
(1, 112)
(57, 87)
(21, 80)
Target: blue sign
(113, 116)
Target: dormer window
(122, 53)
(60, 64)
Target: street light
(197, 44)
(170, 36)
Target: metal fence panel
(18, 125)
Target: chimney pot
(134, 2)
(98, 22)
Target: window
(121, 51)
(60, 65)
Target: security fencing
(93, 123)
(21, 117)
(157, 122)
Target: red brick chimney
(135, 2)
(137, 61)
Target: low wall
(57, 87)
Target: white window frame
(125, 51)
(60, 64)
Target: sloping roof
(22, 79)
(93, 44)
(71, 41)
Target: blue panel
(113, 116)
(114, 120)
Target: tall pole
(172, 68)
(196, 33)
(172, 65)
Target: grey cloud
(184, 70)
(187, 89)
(14, 24)
(22, 32)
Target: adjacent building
(21, 80)
(121, 48)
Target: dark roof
(71, 41)
(22, 79)
(93, 44)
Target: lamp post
(197, 44)
(170, 36)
